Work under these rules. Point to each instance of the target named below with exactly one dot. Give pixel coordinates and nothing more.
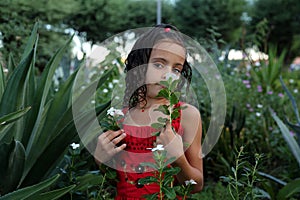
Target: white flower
(291, 80)
(75, 146)
(258, 114)
(190, 182)
(105, 90)
(115, 81)
(110, 85)
(119, 112)
(172, 76)
(93, 102)
(259, 105)
(295, 90)
(159, 147)
(111, 111)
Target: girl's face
(166, 57)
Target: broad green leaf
(294, 147)
(12, 157)
(53, 194)
(292, 99)
(66, 132)
(289, 189)
(12, 96)
(5, 133)
(11, 66)
(2, 81)
(42, 94)
(11, 117)
(31, 41)
(86, 181)
(26, 192)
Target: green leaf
(164, 109)
(12, 96)
(171, 170)
(294, 147)
(12, 157)
(54, 194)
(86, 181)
(175, 114)
(157, 126)
(156, 133)
(42, 93)
(31, 41)
(173, 99)
(6, 119)
(27, 192)
(149, 164)
(162, 120)
(289, 189)
(173, 85)
(163, 93)
(2, 81)
(292, 99)
(11, 66)
(147, 180)
(169, 192)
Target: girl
(156, 55)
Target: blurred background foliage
(253, 89)
(240, 23)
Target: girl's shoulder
(189, 112)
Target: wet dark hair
(138, 60)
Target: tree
(17, 19)
(100, 19)
(194, 17)
(283, 20)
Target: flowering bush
(113, 119)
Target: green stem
(101, 186)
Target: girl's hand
(106, 145)
(171, 141)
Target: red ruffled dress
(139, 142)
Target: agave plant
(36, 125)
(293, 187)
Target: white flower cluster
(113, 112)
(159, 147)
(190, 182)
(172, 76)
(74, 145)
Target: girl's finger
(118, 139)
(112, 134)
(120, 148)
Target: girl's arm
(189, 161)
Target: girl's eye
(158, 65)
(176, 71)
